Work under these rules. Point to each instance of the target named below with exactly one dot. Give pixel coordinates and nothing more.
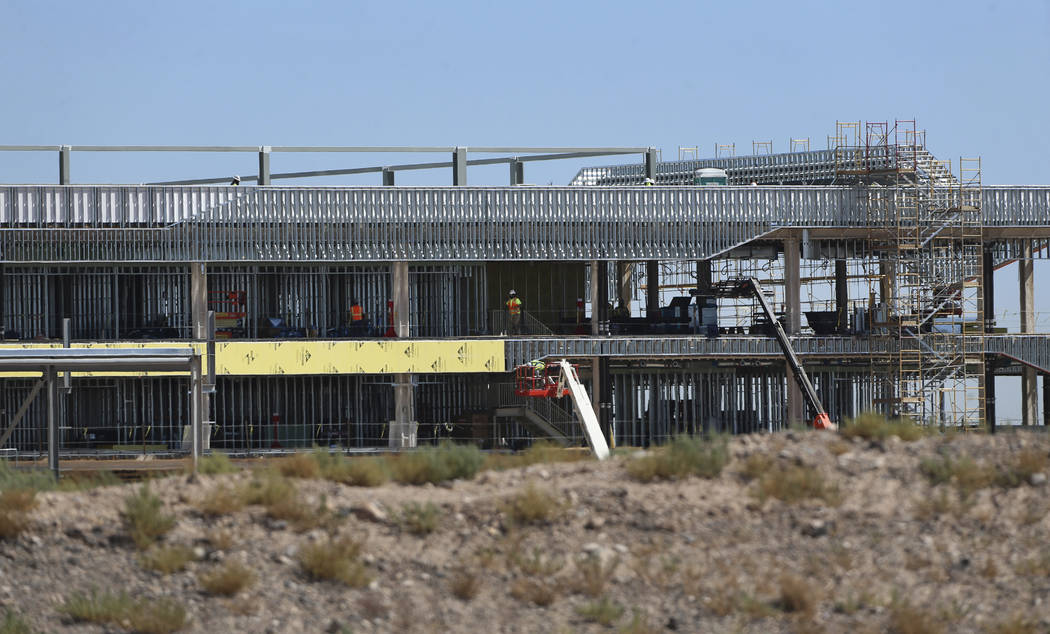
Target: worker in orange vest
(514, 313)
(357, 319)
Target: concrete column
(63, 165)
(624, 272)
(459, 166)
(198, 300)
(989, 393)
(603, 297)
(264, 165)
(1026, 292)
(403, 427)
(795, 404)
(841, 297)
(650, 164)
(652, 290)
(517, 172)
(388, 177)
(596, 386)
(197, 411)
(988, 288)
(792, 287)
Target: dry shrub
(167, 559)
(837, 447)
(592, 575)
(794, 483)
(532, 506)
(605, 611)
(216, 463)
(228, 579)
(1037, 565)
(419, 519)
(640, 624)
(148, 616)
(144, 518)
(931, 507)
(15, 505)
(220, 539)
(221, 500)
(756, 465)
(541, 452)
(464, 584)
(1018, 471)
(267, 489)
(535, 591)
(299, 465)
(445, 462)
(537, 564)
(685, 456)
(359, 472)
(1017, 624)
(335, 559)
(874, 426)
(967, 475)
(906, 618)
(796, 596)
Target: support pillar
(517, 172)
(264, 165)
(989, 392)
(792, 288)
(703, 276)
(1026, 293)
(403, 427)
(841, 297)
(197, 411)
(624, 273)
(887, 281)
(198, 300)
(388, 177)
(989, 322)
(63, 165)
(459, 166)
(595, 301)
(52, 419)
(602, 309)
(650, 164)
(652, 290)
(1046, 400)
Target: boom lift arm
(555, 381)
(739, 288)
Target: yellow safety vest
(514, 306)
(356, 314)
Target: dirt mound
(800, 531)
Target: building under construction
(875, 256)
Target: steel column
(199, 299)
(264, 165)
(459, 166)
(63, 165)
(52, 419)
(517, 172)
(1026, 297)
(388, 177)
(841, 297)
(652, 290)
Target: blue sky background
(974, 75)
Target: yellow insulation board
(265, 358)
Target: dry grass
(437, 464)
(604, 611)
(905, 618)
(216, 463)
(301, 516)
(592, 576)
(335, 559)
(873, 426)
(372, 606)
(221, 500)
(15, 505)
(299, 465)
(1018, 471)
(640, 624)
(536, 591)
(931, 507)
(267, 489)
(227, 580)
(795, 483)
(148, 616)
(1037, 565)
(464, 584)
(756, 465)
(220, 539)
(537, 564)
(685, 456)
(532, 506)
(145, 519)
(419, 519)
(1017, 624)
(796, 596)
(359, 472)
(542, 452)
(167, 559)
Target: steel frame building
(891, 243)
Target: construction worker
(514, 313)
(236, 181)
(648, 182)
(357, 319)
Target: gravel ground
(886, 551)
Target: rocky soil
(883, 550)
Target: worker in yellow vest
(514, 313)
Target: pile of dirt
(801, 531)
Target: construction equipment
(750, 286)
(556, 380)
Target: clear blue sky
(974, 74)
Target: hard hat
(648, 181)
(512, 292)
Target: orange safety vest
(356, 314)
(514, 306)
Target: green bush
(14, 624)
(369, 471)
(149, 616)
(874, 426)
(437, 464)
(216, 463)
(419, 519)
(144, 518)
(685, 456)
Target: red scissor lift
(545, 383)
